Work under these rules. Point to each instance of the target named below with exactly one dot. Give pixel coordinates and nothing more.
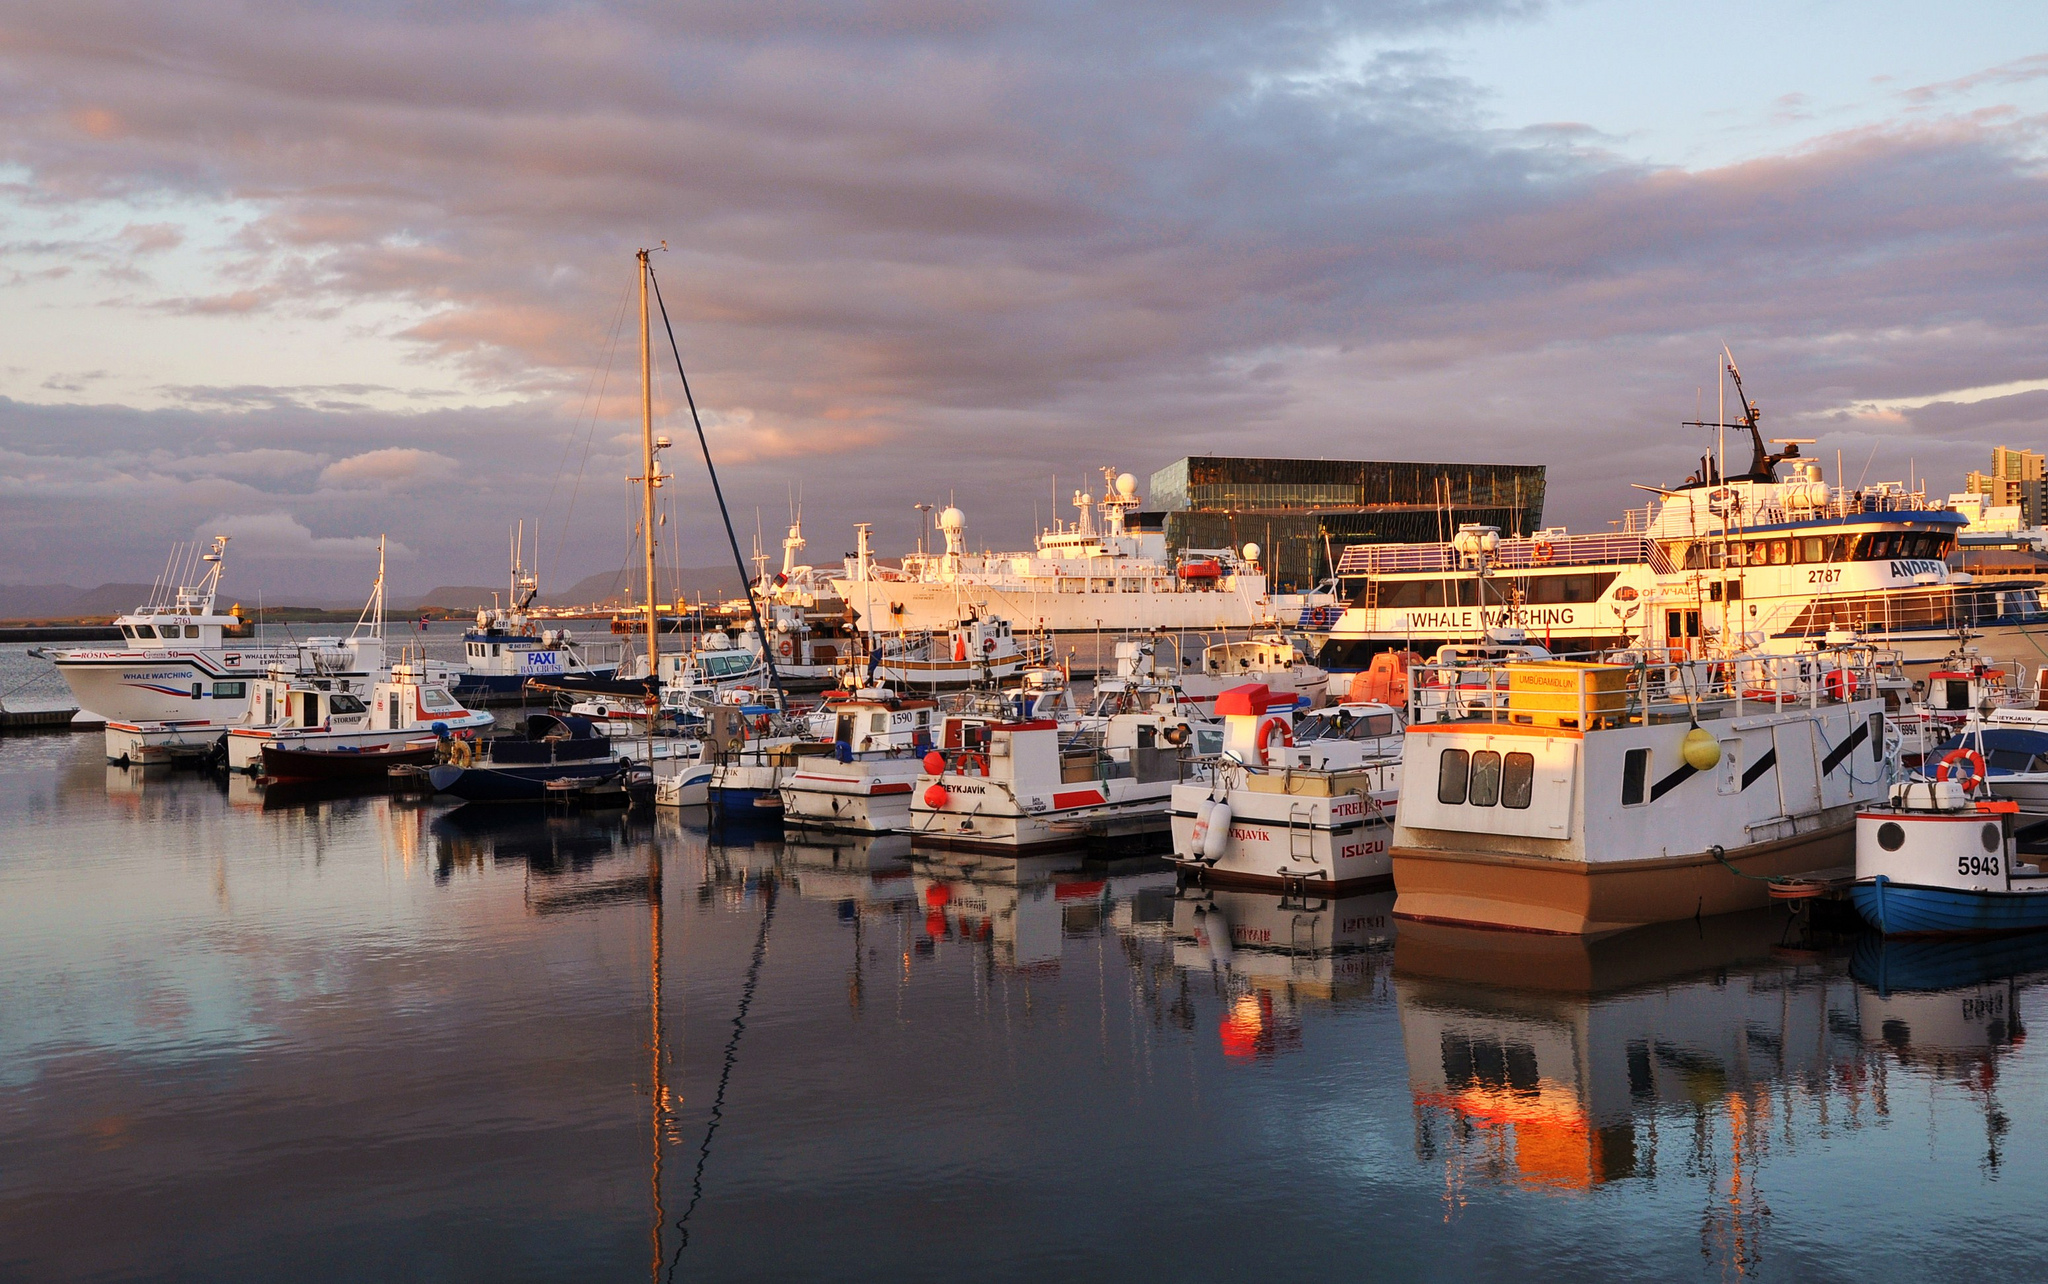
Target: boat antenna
(753, 604)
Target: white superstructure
(176, 662)
(1093, 576)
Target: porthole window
(1517, 779)
(1993, 838)
(1635, 773)
(1891, 835)
(1451, 772)
(1485, 790)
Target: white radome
(1251, 552)
(1126, 485)
(952, 519)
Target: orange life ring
(1970, 758)
(970, 761)
(1541, 554)
(787, 649)
(988, 646)
(1264, 736)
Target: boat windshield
(1344, 725)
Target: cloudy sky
(312, 272)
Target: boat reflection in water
(1020, 908)
(546, 842)
(1272, 954)
(1557, 1063)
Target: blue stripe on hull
(1904, 909)
(523, 783)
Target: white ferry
(1746, 563)
(177, 663)
(1089, 578)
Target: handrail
(1512, 554)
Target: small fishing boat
(1940, 859)
(1279, 660)
(863, 784)
(355, 763)
(994, 785)
(1301, 806)
(519, 768)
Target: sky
(313, 273)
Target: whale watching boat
(1585, 797)
(177, 662)
(1762, 560)
(1933, 860)
(1092, 577)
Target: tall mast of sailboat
(649, 478)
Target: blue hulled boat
(518, 768)
(1936, 862)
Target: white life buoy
(1263, 737)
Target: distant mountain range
(69, 602)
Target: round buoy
(935, 763)
(937, 797)
(1700, 750)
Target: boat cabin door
(1682, 632)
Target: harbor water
(250, 1037)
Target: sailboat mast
(648, 477)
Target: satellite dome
(952, 519)
(1126, 485)
(1251, 552)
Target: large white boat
(1091, 577)
(1714, 565)
(177, 662)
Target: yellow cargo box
(1552, 693)
(1310, 784)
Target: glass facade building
(1305, 512)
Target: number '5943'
(1977, 865)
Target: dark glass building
(1304, 512)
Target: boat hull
(520, 782)
(1912, 909)
(152, 744)
(358, 765)
(1582, 898)
(126, 686)
(855, 798)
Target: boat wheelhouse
(863, 784)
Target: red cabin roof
(1251, 699)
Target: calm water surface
(377, 1039)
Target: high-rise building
(2018, 478)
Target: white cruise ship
(1095, 576)
(1712, 566)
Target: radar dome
(1126, 485)
(952, 519)
(1251, 552)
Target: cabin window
(878, 722)
(1814, 549)
(924, 718)
(1681, 624)
(496, 650)
(1778, 553)
(230, 690)
(128, 632)
(1876, 737)
(269, 707)
(436, 698)
(1451, 772)
(340, 703)
(198, 689)
(1517, 779)
(391, 711)
(1485, 790)
(145, 631)
(1635, 772)
(1546, 589)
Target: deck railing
(1512, 554)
